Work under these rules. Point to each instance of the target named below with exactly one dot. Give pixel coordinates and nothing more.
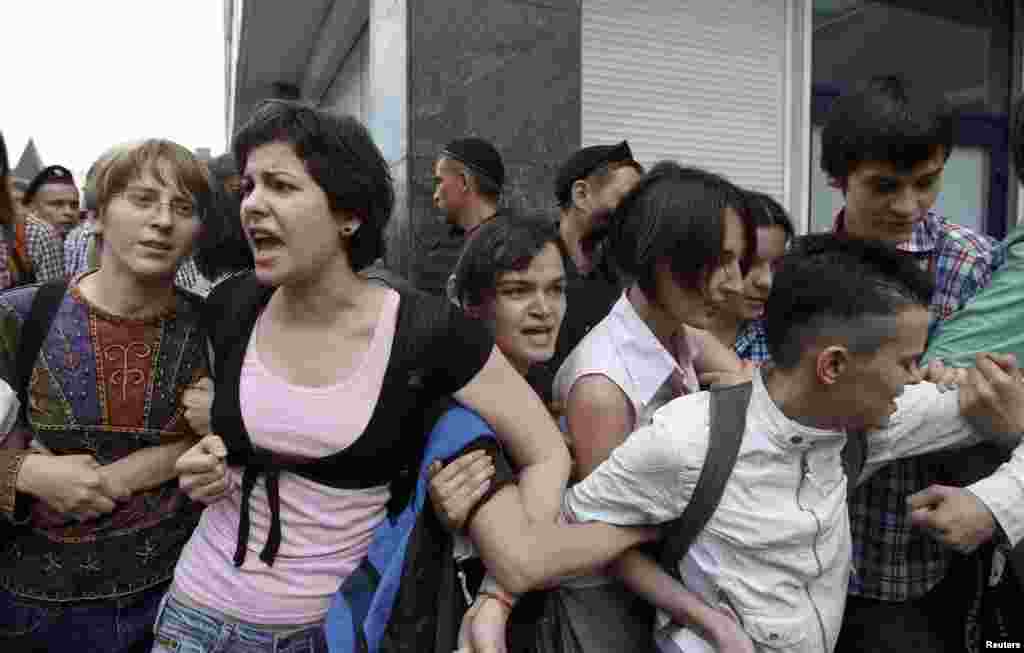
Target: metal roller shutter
(703, 82)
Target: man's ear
(580, 193)
(831, 364)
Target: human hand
(72, 487)
(456, 487)
(483, 626)
(728, 635)
(198, 402)
(202, 470)
(953, 516)
(947, 378)
(992, 398)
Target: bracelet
(490, 587)
(506, 601)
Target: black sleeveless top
(435, 352)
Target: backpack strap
(855, 454)
(728, 412)
(44, 307)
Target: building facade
(736, 86)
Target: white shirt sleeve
(650, 477)
(1003, 494)
(926, 420)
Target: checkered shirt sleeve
(752, 343)
(44, 250)
(76, 250)
(190, 278)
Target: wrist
(27, 472)
(490, 587)
(501, 599)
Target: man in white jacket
(847, 326)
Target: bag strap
(854, 455)
(33, 332)
(728, 412)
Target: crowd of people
(660, 420)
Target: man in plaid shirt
(885, 146)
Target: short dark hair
(829, 285)
(885, 119)
(1017, 136)
(765, 211)
(508, 242)
(677, 213)
(222, 247)
(341, 157)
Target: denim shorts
(183, 629)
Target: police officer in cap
(588, 186)
(468, 178)
(53, 198)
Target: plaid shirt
(44, 251)
(752, 343)
(76, 260)
(892, 560)
(76, 249)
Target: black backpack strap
(44, 307)
(855, 454)
(728, 414)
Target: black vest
(390, 448)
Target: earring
(348, 230)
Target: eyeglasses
(147, 201)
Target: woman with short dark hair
(322, 377)
(683, 239)
(739, 324)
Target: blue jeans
(123, 625)
(183, 629)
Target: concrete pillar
(504, 70)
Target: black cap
(479, 156)
(48, 175)
(584, 162)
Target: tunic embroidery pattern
(106, 386)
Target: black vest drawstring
(260, 465)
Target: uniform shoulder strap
(728, 412)
(44, 307)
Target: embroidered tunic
(105, 386)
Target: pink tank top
(326, 531)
